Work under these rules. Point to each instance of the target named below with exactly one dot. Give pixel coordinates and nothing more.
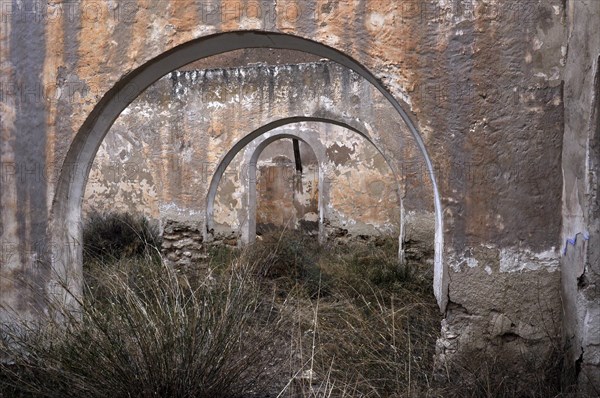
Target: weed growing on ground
(143, 330)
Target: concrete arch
(253, 150)
(228, 157)
(66, 207)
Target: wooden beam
(297, 155)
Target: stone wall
(159, 156)
(580, 243)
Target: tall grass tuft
(363, 326)
(143, 330)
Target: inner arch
(269, 130)
(242, 143)
(252, 181)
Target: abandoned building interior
(468, 128)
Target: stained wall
(482, 82)
(159, 157)
(581, 211)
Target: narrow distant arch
(66, 207)
(249, 230)
(252, 152)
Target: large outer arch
(66, 206)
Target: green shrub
(111, 236)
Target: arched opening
(66, 210)
(330, 163)
(256, 183)
(286, 184)
(166, 144)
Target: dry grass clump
(111, 236)
(363, 325)
(479, 374)
(141, 330)
(145, 331)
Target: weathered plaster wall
(368, 205)
(362, 191)
(581, 195)
(160, 155)
(502, 136)
(482, 80)
(123, 178)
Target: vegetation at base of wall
(479, 374)
(283, 318)
(111, 236)
(364, 326)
